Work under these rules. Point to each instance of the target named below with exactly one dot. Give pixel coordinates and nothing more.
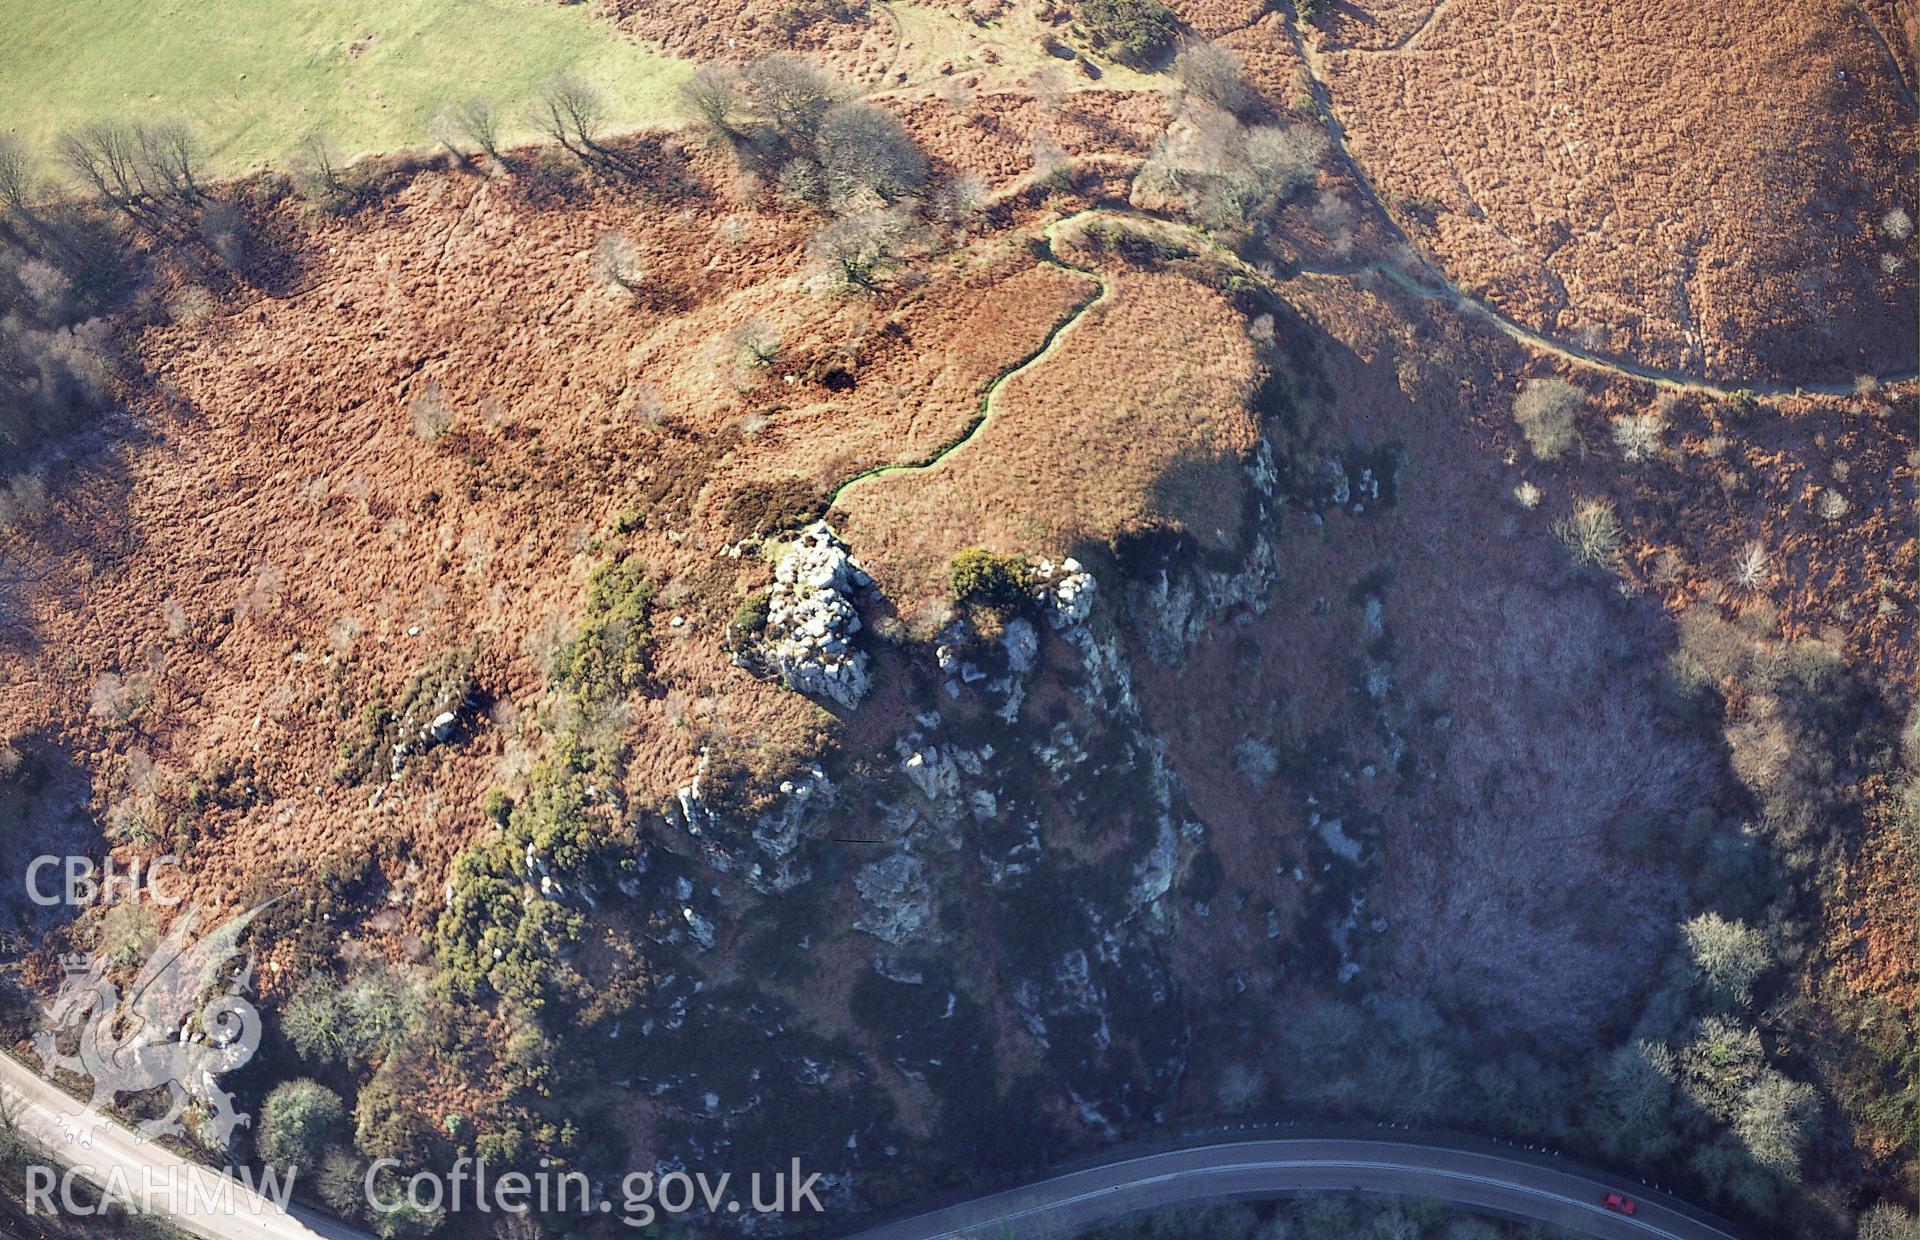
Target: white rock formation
(811, 619)
(1065, 591)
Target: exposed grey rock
(1343, 845)
(1022, 643)
(811, 619)
(772, 863)
(1065, 592)
(891, 968)
(897, 901)
(933, 773)
(701, 928)
(1153, 877)
(1175, 606)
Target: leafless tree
(105, 155)
(478, 121)
(149, 173)
(715, 98)
(17, 180)
(1210, 72)
(754, 344)
(617, 261)
(572, 113)
(865, 149)
(792, 95)
(857, 249)
(318, 162)
(170, 156)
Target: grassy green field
(257, 77)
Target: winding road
(1068, 1204)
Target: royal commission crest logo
(182, 1023)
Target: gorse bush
(980, 578)
(1134, 32)
(612, 652)
(503, 928)
(350, 1025)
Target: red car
(1623, 1205)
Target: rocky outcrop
(896, 902)
(766, 850)
(1174, 607)
(811, 620)
(1065, 592)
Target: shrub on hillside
(792, 96)
(1230, 176)
(1886, 1221)
(1727, 958)
(1134, 32)
(495, 939)
(864, 150)
(299, 1122)
(980, 578)
(1211, 73)
(56, 362)
(1545, 410)
(716, 98)
(352, 1024)
(612, 653)
(852, 253)
(1591, 533)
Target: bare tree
(17, 180)
(572, 113)
(617, 261)
(755, 345)
(714, 96)
(170, 155)
(963, 196)
(856, 249)
(318, 163)
(478, 121)
(105, 155)
(1212, 73)
(865, 149)
(792, 95)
